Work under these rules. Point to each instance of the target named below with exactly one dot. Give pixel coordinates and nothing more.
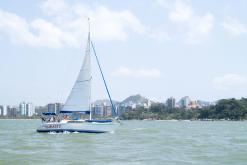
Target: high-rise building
(171, 103)
(185, 101)
(23, 109)
(1, 110)
(107, 110)
(58, 107)
(30, 109)
(54, 107)
(26, 109)
(101, 109)
(41, 109)
(193, 105)
(98, 110)
(12, 111)
(4, 110)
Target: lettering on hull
(52, 126)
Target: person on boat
(52, 119)
(55, 118)
(66, 117)
(58, 118)
(43, 119)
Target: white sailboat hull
(84, 127)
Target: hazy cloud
(193, 27)
(234, 27)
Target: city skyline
(125, 102)
(189, 48)
(103, 107)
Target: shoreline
(14, 118)
(186, 120)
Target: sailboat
(78, 103)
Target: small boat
(78, 104)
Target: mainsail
(79, 97)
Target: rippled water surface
(133, 143)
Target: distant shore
(175, 120)
(226, 110)
(24, 117)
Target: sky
(156, 48)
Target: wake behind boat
(78, 104)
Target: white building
(147, 104)
(5, 110)
(133, 106)
(30, 109)
(26, 109)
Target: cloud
(66, 25)
(15, 27)
(234, 27)
(107, 25)
(193, 28)
(137, 73)
(38, 32)
(181, 12)
(230, 82)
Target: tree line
(228, 109)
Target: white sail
(79, 97)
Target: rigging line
(102, 75)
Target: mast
(89, 40)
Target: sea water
(132, 143)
